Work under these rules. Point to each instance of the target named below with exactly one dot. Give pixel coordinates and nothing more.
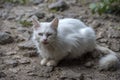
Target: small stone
(16, 57)
(5, 38)
(32, 74)
(72, 2)
(50, 17)
(48, 69)
(113, 33)
(114, 44)
(2, 66)
(103, 40)
(46, 75)
(96, 24)
(89, 64)
(82, 77)
(73, 15)
(11, 16)
(114, 38)
(39, 15)
(12, 63)
(36, 2)
(60, 5)
(19, 38)
(89, 21)
(30, 54)
(4, 13)
(2, 74)
(2, 53)
(11, 53)
(27, 45)
(100, 35)
(14, 70)
(1, 60)
(69, 74)
(44, 71)
(23, 35)
(18, 12)
(24, 61)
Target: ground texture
(18, 56)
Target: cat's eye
(49, 34)
(40, 34)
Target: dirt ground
(19, 59)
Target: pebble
(11, 53)
(32, 74)
(89, 64)
(39, 14)
(11, 16)
(24, 61)
(46, 75)
(2, 53)
(47, 69)
(14, 70)
(103, 40)
(25, 36)
(42, 71)
(71, 75)
(4, 14)
(50, 17)
(26, 45)
(96, 24)
(36, 2)
(30, 53)
(12, 63)
(5, 38)
(60, 5)
(114, 44)
(100, 35)
(113, 33)
(2, 74)
(16, 57)
(20, 38)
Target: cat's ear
(35, 23)
(55, 23)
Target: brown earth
(18, 56)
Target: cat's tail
(110, 60)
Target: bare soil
(19, 59)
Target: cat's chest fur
(56, 51)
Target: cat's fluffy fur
(68, 38)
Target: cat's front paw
(51, 63)
(44, 61)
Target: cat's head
(45, 32)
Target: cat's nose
(45, 40)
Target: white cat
(68, 38)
